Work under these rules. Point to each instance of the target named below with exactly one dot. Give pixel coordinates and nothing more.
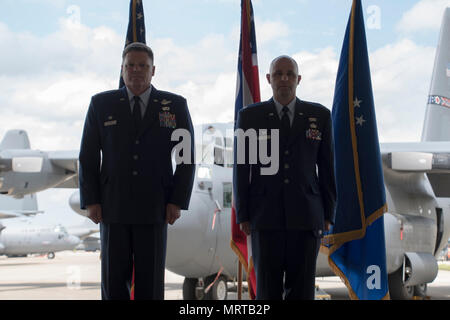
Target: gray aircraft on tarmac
(20, 235)
(417, 185)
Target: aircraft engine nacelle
(28, 171)
(74, 203)
(24, 161)
(419, 268)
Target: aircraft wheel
(51, 255)
(420, 290)
(189, 290)
(397, 289)
(219, 290)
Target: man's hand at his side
(173, 212)
(95, 212)
(245, 227)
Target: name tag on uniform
(110, 123)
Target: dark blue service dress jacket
(302, 194)
(128, 171)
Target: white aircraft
(88, 233)
(21, 235)
(417, 184)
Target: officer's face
(284, 79)
(137, 71)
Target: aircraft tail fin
(15, 139)
(437, 118)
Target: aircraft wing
(67, 160)
(93, 237)
(6, 214)
(432, 158)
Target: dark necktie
(137, 112)
(285, 124)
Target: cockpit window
(61, 229)
(227, 195)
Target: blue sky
(57, 53)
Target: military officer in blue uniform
(287, 212)
(126, 178)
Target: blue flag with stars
(356, 242)
(136, 28)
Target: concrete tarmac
(76, 276)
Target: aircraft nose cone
(73, 240)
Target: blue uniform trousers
(285, 254)
(123, 245)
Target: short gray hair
(137, 46)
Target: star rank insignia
(360, 120)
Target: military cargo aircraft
(21, 235)
(417, 185)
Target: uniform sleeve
(326, 170)
(89, 161)
(183, 179)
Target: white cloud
(47, 81)
(270, 31)
(401, 75)
(426, 14)
(318, 70)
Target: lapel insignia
(165, 102)
(167, 120)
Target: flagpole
(239, 288)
